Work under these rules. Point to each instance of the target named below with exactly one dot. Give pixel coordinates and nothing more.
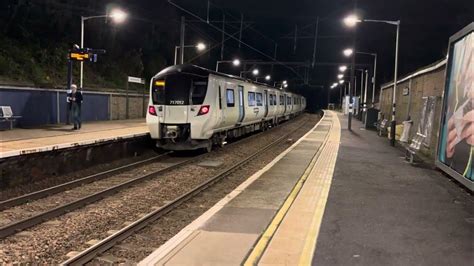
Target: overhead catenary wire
(234, 38)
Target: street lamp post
(117, 15)
(254, 72)
(267, 78)
(351, 21)
(235, 62)
(200, 47)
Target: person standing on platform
(76, 99)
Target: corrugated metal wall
(40, 106)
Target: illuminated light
(285, 85)
(267, 77)
(79, 56)
(342, 68)
(351, 20)
(151, 110)
(118, 16)
(200, 46)
(236, 62)
(348, 52)
(204, 110)
(340, 76)
(334, 84)
(341, 81)
(255, 72)
(284, 82)
(159, 83)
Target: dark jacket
(78, 97)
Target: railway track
(95, 250)
(111, 187)
(9, 203)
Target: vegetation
(36, 35)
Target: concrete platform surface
(227, 233)
(383, 211)
(23, 141)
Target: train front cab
(175, 101)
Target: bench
(6, 115)
(414, 147)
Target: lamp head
(342, 68)
(348, 52)
(118, 15)
(351, 20)
(200, 46)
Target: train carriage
(191, 107)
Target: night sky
(152, 32)
(425, 29)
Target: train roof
(204, 72)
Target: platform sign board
(455, 153)
(136, 80)
(406, 91)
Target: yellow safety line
(312, 236)
(267, 235)
(469, 162)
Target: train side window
(251, 98)
(288, 100)
(259, 99)
(271, 99)
(230, 98)
(282, 101)
(274, 99)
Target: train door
(265, 102)
(241, 103)
(285, 101)
(222, 105)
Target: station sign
(406, 91)
(136, 80)
(79, 56)
(85, 54)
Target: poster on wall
(456, 142)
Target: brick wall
(423, 85)
(118, 106)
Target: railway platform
(335, 197)
(19, 141)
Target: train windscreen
(179, 89)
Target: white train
(192, 107)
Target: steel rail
(107, 243)
(28, 222)
(71, 184)
(17, 226)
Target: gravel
(16, 191)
